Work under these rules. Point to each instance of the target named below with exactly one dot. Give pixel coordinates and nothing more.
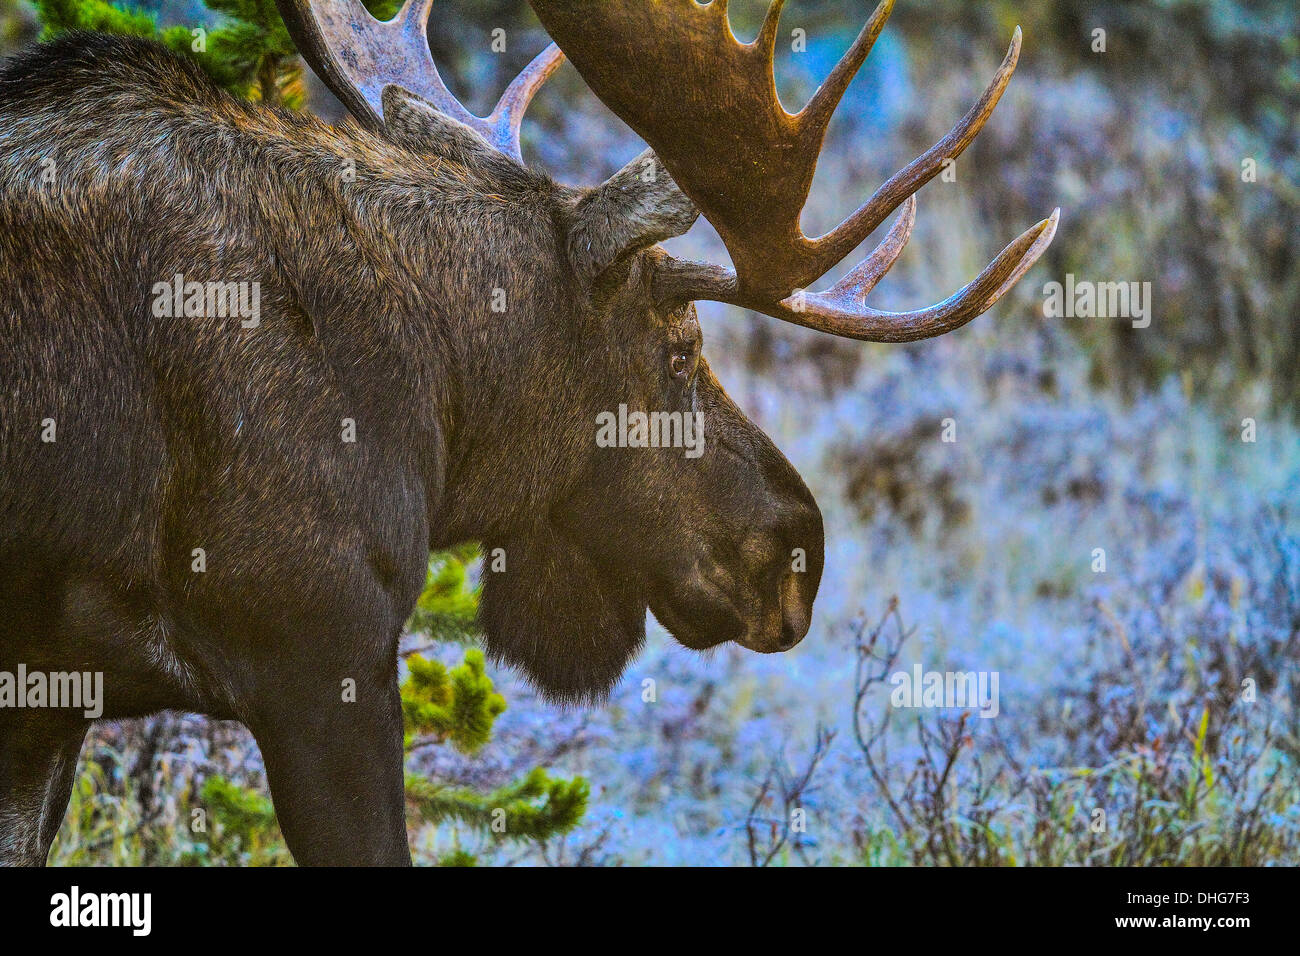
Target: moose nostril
(796, 614)
(789, 638)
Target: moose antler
(358, 56)
(707, 103)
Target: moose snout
(787, 617)
(787, 612)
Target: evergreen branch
(535, 808)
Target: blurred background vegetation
(1161, 691)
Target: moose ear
(414, 122)
(635, 208)
(570, 626)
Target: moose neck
(440, 295)
(426, 298)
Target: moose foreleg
(38, 762)
(332, 745)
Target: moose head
(723, 542)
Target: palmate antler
(707, 103)
(357, 56)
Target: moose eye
(679, 366)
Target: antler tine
(358, 57)
(867, 274)
(765, 42)
(843, 239)
(815, 116)
(415, 12)
(842, 310)
(508, 117)
(412, 24)
(1031, 256)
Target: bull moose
(225, 503)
